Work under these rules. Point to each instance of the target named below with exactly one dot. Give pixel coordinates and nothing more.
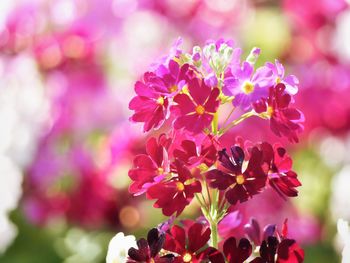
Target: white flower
(118, 248)
(344, 233)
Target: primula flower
(151, 104)
(118, 248)
(195, 108)
(245, 85)
(234, 253)
(192, 155)
(253, 232)
(284, 120)
(190, 246)
(152, 167)
(239, 185)
(148, 250)
(278, 166)
(291, 82)
(174, 195)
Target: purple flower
(291, 82)
(247, 86)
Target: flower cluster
(189, 243)
(185, 96)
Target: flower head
(175, 194)
(245, 85)
(151, 104)
(284, 120)
(291, 82)
(195, 108)
(230, 177)
(278, 166)
(118, 248)
(188, 245)
(152, 167)
(148, 250)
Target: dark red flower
(278, 166)
(175, 194)
(288, 251)
(284, 120)
(237, 253)
(151, 105)
(152, 167)
(239, 185)
(148, 250)
(190, 246)
(195, 108)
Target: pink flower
(196, 108)
(152, 167)
(284, 120)
(151, 105)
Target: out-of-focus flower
(344, 233)
(340, 197)
(118, 248)
(23, 112)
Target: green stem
(215, 123)
(214, 233)
(237, 121)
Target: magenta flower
(239, 185)
(151, 105)
(284, 120)
(195, 110)
(278, 166)
(291, 82)
(152, 167)
(245, 85)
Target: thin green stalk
(214, 233)
(237, 121)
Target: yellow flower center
(160, 101)
(269, 111)
(240, 179)
(248, 87)
(187, 257)
(180, 186)
(160, 170)
(172, 88)
(151, 260)
(200, 110)
(278, 80)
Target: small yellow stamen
(172, 88)
(240, 179)
(200, 110)
(278, 80)
(160, 170)
(247, 87)
(269, 111)
(151, 260)
(160, 101)
(180, 186)
(187, 257)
